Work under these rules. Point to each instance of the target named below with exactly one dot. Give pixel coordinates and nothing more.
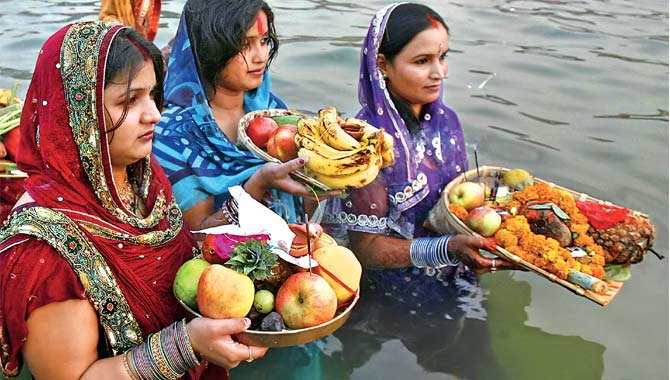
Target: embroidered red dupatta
(64, 149)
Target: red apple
(484, 220)
(467, 194)
(224, 293)
(284, 139)
(305, 300)
(271, 147)
(261, 129)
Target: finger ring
(251, 359)
(493, 264)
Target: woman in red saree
(88, 255)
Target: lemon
(517, 179)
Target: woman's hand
(466, 249)
(211, 339)
(277, 176)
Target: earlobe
(381, 63)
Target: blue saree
(198, 158)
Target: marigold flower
(459, 211)
(517, 238)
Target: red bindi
(433, 20)
(259, 24)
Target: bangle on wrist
(229, 211)
(165, 355)
(432, 252)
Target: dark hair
(127, 54)
(405, 22)
(126, 57)
(217, 30)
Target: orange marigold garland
(459, 211)
(516, 236)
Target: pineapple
(627, 241)
(280, 272)
(255, 259)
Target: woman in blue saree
(217, 72)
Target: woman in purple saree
(403, 65)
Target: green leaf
(560, 213)
(617, 272)
(344, 195)
(253, 258)
(287, 119)
(541, 206)
(553, 207)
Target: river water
(574, 91)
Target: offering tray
(244, 141)
(443, 221)
(286, 338)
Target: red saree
(78, 240)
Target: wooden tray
(243, 140)
(443, 221)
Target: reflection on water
(574, 91)
(525, 352)
(386, 338)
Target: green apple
(484, 220)
(467, 194)
(264, 301)
(185, 284)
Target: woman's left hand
(466, 249)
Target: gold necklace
(128, 197)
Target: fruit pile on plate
(548, 226)
(341, 153)
(242, 276)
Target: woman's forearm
(256, 186)
(204, 215)
(109, 368)
(380, 251)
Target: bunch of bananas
(343, 153)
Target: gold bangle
(126, 366)
(159, 358)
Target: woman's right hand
(466, 249)
(277, 176)
(211, 339)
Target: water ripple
(543, 120)
(547, 51)
(662, 115)
(628, 59)
(495, 99)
